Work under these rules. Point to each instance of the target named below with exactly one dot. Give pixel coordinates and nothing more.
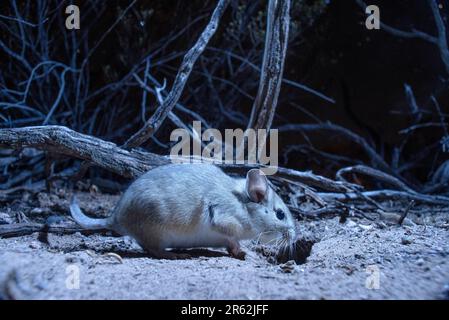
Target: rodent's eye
(280, 214)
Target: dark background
(330, 50)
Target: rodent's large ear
(256, 185)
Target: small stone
(365, 227)
(420, 262)
(93, 189)
(348, 270)
(74, 259)
(406, 240)
(34, 245)
(381, 225)
(288, 267)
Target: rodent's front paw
(238, 255)
(235, 251)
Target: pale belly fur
(202, 236)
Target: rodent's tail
(83, 220)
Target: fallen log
(62, 140)
(23, 229)
(133, 163)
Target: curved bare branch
(156, 120)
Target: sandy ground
(357, 259)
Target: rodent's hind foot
(168, 255)
(238, 255)
(235, 251)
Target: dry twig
(156, 120)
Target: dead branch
(62, 140)
(404, 214)
(285, 81)
(295, 177)
(156, 120)
(22, 229)
(131, 164)
(264, 107)
(8, 194)
(385, 195)
(379, 175)
(319, 213)
(375, 158)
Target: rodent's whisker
(271, 240)
(260, 235)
